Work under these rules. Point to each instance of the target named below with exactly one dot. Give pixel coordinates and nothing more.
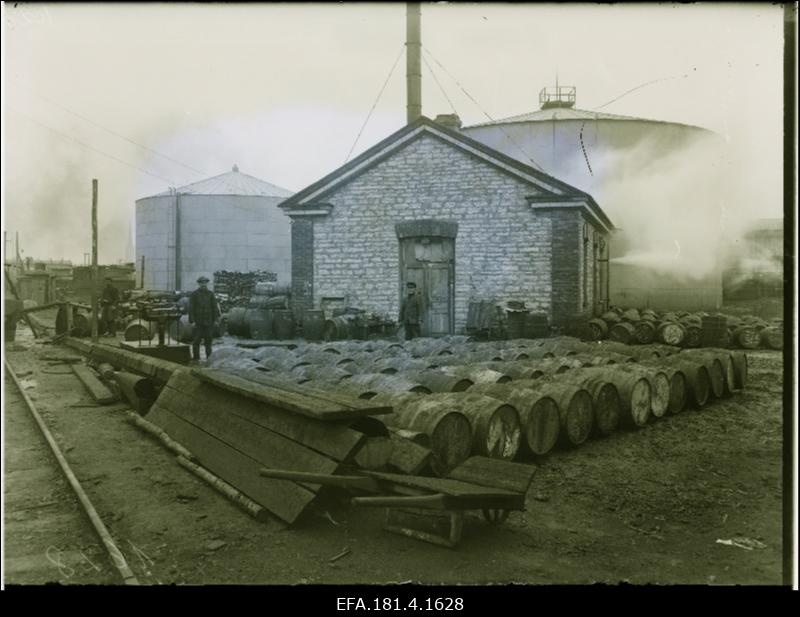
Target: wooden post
(94, 260)
(142, 271)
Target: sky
(143, 97)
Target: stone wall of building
(503, 248)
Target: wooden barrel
(536, 325)
(515, 321)
(698, 380)
(511, 355)
(476, 373)
(715, 371)
(553, 366)
(313, 324)
(516, 370)
(631, 315)
(303, 374)
(596, 329)
(337, 329)
(746, 337)
(387, 383)
(635, 392)
(772, 337)
(644, 332)
(574, 406)
(538, 413)
(740, 369)
(606, 404)
(236, 322)
(317, 357)
(671, 333)
(610, 317)
(587, 359)
(496, 426)
(449, 430)
(726, 363)
(261, 324)
(536, 353)
(391, 366)
(284, 325)
(138, 330)
(659, 387)
(678, 385)
(81, 325)
(437, 381)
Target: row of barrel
(262, 322)
(683, 329)
(521, 401)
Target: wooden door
(429, 262)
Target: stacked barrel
(684, 329)
(503, 399)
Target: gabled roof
(552, 189)
(232, 183)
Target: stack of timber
(234, 426)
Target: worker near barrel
(411, 312)
(203, 313)
(110, 302)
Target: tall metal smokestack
(413, 62)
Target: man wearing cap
(110, 300)
(203, 313)
(411, 312)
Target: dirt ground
(644, 506)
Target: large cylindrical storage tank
(621, 161)
(228, 222)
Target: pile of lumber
(235, 288)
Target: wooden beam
(285, 396)
(99, 391)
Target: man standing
(203, 313)
(110, 300)
(411, 312)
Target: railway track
(52, 531)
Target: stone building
(462, 220)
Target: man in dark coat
(411, 312)
(203, 313)
(110, 300)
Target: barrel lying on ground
(574, 406)
(659, 387)
(437, 381)
(726, 362)
(634, 391)
(538, 413)
(678, 385)
(450, 431)
(495, 424)
(606, 403)
(476, 374)
(698, 379)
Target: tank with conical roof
(227, 222)
(656, 179)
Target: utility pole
(94, 261)
(413, 62)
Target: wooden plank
(333, 440)
(260, 444)
(407, 456)
(96, 388)
(454, 488)
(279, 394)
(341, 481)
(340, 396)
(495, 473)
(285, 499)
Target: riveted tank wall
(184, 236)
